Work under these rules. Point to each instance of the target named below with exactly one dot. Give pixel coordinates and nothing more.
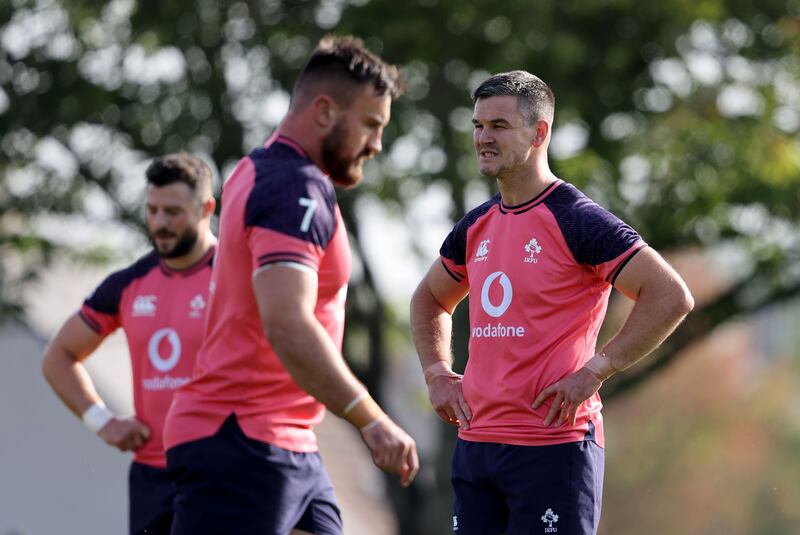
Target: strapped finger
(446, 418)
(462, 419)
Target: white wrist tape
(355, 401)
(96, 417)
(373, 423)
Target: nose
(483, 136)
(158, 219)
(374, 143)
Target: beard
(182, 247)
(344, 170)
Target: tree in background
(682, 117)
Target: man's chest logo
(483, 250)
(490, 308)
(144, 305)
(197, 305)
(532, 250)
(164, 349)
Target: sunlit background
(680, 117)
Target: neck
(525, 182)
(298, 129)
(205, 241)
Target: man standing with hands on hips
(538, 261)
(240, 438)
(159, 301)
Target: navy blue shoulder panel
(455, 245)
(593, 234)
(106, 297)
(291, 195)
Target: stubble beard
(182, 247)
(343, 170)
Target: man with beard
(159, 301)
(239, 436)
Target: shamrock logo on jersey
(532, 248)
(549, 517)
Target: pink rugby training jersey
(540, 274)
(162, 312)
(277, 207)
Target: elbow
(417, 298)
(683, 301)
(50, 363)
(688, 302)
(425, 304)
(45, 367)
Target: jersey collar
(527, 205)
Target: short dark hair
(535, 99)
(181, 167)
(338, 65)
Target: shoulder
(279, 165)
(476, 213)
(566, 197)
(455, 245)
(107, 295)
(137, 270)
(282, 178)
(570, 206)
(593, 234)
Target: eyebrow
(498, 120)
(378, 119)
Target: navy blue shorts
(151, 493)
(515, 490)
(229, 483)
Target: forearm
(69, 379)
(431, 329)
(314, 362)
(653, 318)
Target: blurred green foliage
(680, 116)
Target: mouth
(485, 154)
(163, 237)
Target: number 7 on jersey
(310, 205)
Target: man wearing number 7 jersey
(239, 436)
(159, 301)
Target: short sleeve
(453, 252)
(597, 238)
(291, 219)
(100, 310)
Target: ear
(325, 111)
(542, 131)
(208, 207)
